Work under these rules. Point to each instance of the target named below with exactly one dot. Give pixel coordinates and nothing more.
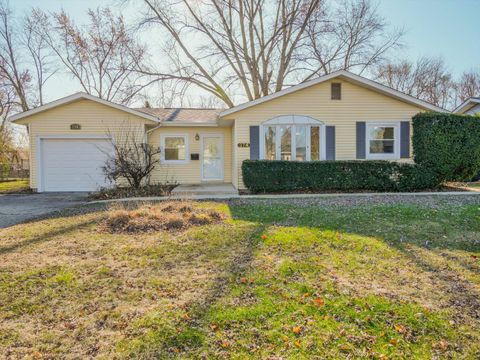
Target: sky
(440, 28)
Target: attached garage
(71, 139)
(73, 164)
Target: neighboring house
(340, 116)
(469, 107)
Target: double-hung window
(174, 149)
(382, 141)
(299, 142)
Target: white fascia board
(360, 80)
(75, 97)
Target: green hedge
(287, 176)
(447, 144)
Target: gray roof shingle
(185, 115)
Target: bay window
(382, 141)
(299, 139)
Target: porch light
(197, 137)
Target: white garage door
(73, 164)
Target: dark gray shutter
(361, 139)
(330, 142)
(254, 142)
(405, 139)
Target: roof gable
(356, 79)
(467, 105)
(80, 96)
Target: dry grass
(267, 280)
(171, 216)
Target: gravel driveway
(18, 208)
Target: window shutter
(361, 139)
(254, 142)
(405, 139)
(330, 142)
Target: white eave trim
(80, 96)
(465, 105)
(360, 80)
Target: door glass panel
(301, 143)
(212, 158)
(285, 142)
(270, 142)
(210, 147)
(315, 143)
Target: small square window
(175, 148)
(336, 91)
(381, 141)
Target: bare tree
(468, 86)
(354, 38)
(25, 61)
(100, 55)
(13, 76)
(39, 51)
(131, 160)
(427, 79)
(254, 47)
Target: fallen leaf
(70, 325)
(393, 342)
(243, 280)
(225, 344)
(264, 237)
(297, 343)
(297, 330)
(306, 295)
(37, 355)
(383, 357)
(319, 302)
(186, 316)
(400, 328)
(213, 327)
(441, 345)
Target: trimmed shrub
(287, 176)
(447, 144)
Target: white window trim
(162, 149)
(396, 141)
(293, 121)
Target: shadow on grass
(402, 227)
(62, 230)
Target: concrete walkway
(183, 196)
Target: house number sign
(243, 145)
(75, 127)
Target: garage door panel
(74, 164)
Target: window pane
(174, 148)
(301, 142)
(270, 143)
(381, 146)
(315, 143)
(285, 142)
(381, 132)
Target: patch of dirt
(170, 216)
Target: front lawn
(271, 280)
(13, 186)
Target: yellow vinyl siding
(190, 172)
(357, 104)
(94, 119)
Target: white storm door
(212, 157)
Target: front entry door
(212, 157)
